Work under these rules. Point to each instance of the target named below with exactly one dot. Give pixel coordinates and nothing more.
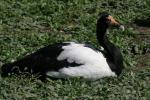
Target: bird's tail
(8, 69)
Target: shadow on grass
(145, 22)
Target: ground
(28, 25)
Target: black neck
(113, 53)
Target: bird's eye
(108, 21)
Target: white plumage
(94, 64)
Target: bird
(72, 59)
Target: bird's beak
(114, 23)
(121, 27)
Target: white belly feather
(94, 64)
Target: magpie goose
(72, 59)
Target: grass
(28, 25)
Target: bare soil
(143, 36)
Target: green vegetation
(148, 2)
(27, 25)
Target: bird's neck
(105, 43)
(112, 52)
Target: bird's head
(107, 21)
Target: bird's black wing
(41, 61)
